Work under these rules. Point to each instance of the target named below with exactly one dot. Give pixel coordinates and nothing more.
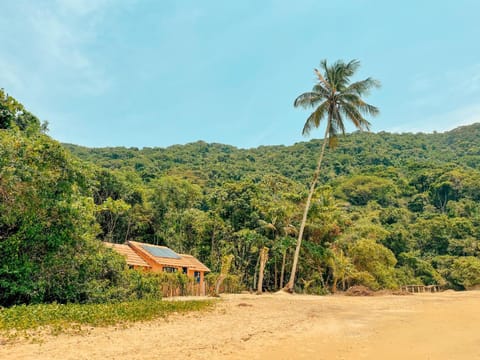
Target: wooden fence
(421, 288)
(179, 286)
(191, 288)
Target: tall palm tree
(335, 100)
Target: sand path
(426, 326)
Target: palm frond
(334, 95)
(290, 230)
(315, 118)
(369, 109)
(344, 72)
(332, 75)
(308, 99)
(362, 87)
(328, 74)
(324, 66)
(322, 80)
(337, 120)
(340, 72)
(350, 68)
(354, 115)
(357, 102)
(321, 90)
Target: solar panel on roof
(161, 252)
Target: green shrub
(144, 285)
(48, 246)
(366, 279)
(65, 316)
(315, 285)
(373, 258)
(231, 284)
(423, 271)
(174, 284)
(404, 275)
(465, 272)
(361, 189)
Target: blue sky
(156, 73)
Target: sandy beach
(281, 326)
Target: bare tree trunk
(218, 283)
(282, 271)
(263, 261)
(291, 281)
(226, 263)
(128, 231)
(321, 277)
(212, 245)
(275, 273)
(256, 271)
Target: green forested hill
(357, 153)
(391, 209)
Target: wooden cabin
(134, 261)
(157, 258)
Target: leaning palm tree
(335, 100)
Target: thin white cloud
(81, 7)
(455, 105)
(54, 37)
(461, 116)
(457, 82)
(445, 121)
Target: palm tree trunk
(291, 281)
(334, 285)
(263, 261)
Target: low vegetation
(64, 317)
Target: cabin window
(196, 275)
(169, 269)
(185, 270)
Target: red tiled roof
(184, 260)
(131, 256)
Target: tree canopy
(392, 209)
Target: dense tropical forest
(390, 209)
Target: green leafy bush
(315, 285)
(375, 259)
(66, 316)
(422, 271)
(231, 284)
(48, 231)
(465, 272)
(361, 189)
(366, 279)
